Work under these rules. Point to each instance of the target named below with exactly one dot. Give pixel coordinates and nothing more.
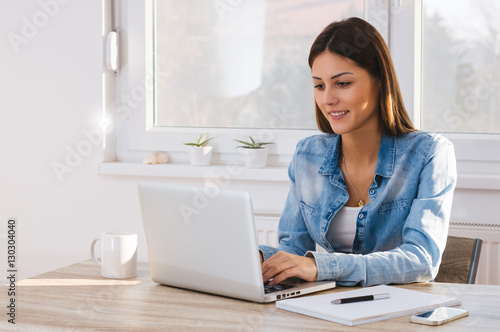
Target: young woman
(373, 191)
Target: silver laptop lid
(202, 238)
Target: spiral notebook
(401, 302)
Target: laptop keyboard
(276, 288)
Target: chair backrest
(460, 260)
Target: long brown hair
(359, 41)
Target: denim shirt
(400, 234)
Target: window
(232, 68)
(239, 64)
(466, 52)
(460, 93)
(238, 68)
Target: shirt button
(361, 216)
(372, 191)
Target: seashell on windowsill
(155, 158)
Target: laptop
(204, 239)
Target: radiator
(489, 264)
(267, 229)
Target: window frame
(399, 22)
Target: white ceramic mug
(118, 254)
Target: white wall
(50, 95)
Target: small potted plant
(255, 153)
(200, 152)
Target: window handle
(112, 51)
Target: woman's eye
(318, 86)
(343, 84)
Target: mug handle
(92, 253)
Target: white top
(342, 229)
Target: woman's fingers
(284, 265)
(274, 266)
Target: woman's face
(347, 95)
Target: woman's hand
(283, 265)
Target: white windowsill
(236, 172)
(478, 181)
(267, 174)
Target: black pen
(362, 298)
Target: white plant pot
(255, 158)
(200, 155)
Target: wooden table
(77, 298)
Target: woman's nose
(330, 97)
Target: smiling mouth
(338, 113)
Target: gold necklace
(361, 202)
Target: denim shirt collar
(331, 159)
(385, 162)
